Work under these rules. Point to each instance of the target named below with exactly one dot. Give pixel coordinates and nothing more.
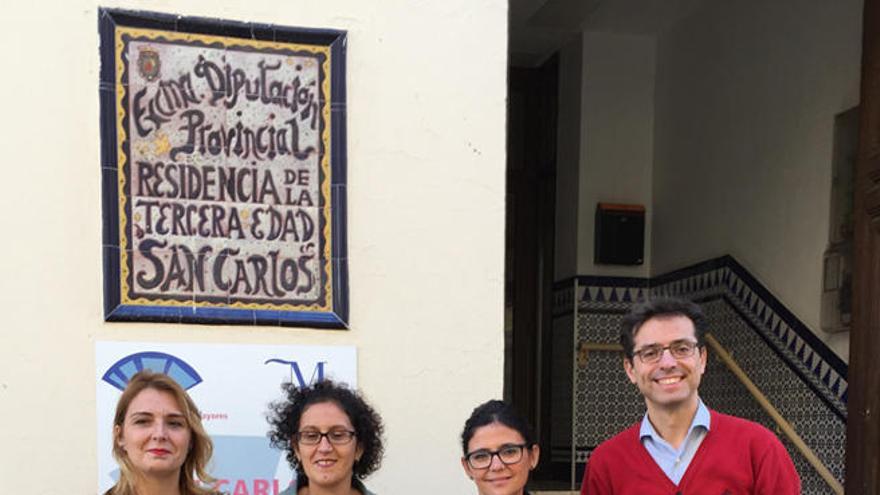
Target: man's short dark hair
(663, 307)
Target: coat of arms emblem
(148, 64)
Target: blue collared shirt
(674, 462)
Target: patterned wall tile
(605, 401)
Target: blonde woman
(159, 441)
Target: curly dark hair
(284, 417)
(660, 308)
(496, 411)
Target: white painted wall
(746, 97)
(426, 119)
(617, 131)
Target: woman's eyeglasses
(336, 436)
(508, 454)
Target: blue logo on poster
(121, 372)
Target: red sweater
(736, 457)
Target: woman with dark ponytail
(499, 449)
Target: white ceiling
(540, 27)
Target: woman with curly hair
(332, 437)
(158, 440)
(499, 449)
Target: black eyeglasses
(338, 436)
(507, 454)
(680, 349)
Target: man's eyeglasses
(338, 436)
(508, 454)
(680, 349)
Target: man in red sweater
(681, 447)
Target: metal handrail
(781, 422)
(787, 429)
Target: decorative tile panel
(223, 171)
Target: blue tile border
(793, 322)
(827, 396)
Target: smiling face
(327, 465)
(154, 435)
(670, 383)
(500, 478)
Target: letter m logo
(296, 373)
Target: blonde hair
(192, 473)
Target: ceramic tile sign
(223, 171)
(232, 385)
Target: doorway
(530, 233)
(529, 290)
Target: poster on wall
(223, 171)
(232, 385)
